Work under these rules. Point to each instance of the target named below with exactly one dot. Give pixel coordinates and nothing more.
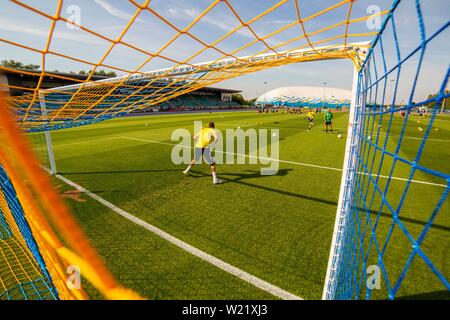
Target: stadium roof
(56, 74)
(71, 77)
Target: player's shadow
(249, 174)
(241, 177)
(435, 295)
(335, 131)
(253, 174)
(256, 174)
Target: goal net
(383, 242)
(380, 232)
(48, 36)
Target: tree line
(239, 99)
(33, 67)
(445, 101)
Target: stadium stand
(207, 98)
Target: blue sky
(149, 33)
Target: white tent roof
(307, 92)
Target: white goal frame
(347, 184)
(48, 137)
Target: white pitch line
(381, 134)
(75, 143)
(257, 282)
(413, 138)
(239, 154)
(294, 162)
(397, 135)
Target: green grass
(278, 228)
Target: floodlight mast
(323, 94)
(265, 94)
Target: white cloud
(118, 13)
(224, 24)
(113, 10)
(14, 27)
(185, 14)
(289, 21)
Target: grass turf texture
(278, 228)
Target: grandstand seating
(194, 102)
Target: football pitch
(277, 229)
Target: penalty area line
(241, 274)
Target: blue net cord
(358, 238)
(42, 287)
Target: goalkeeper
(310, 117)
(203, 139)
(328, 121)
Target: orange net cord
(15, 155)
(89, 101)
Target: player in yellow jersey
(310, 117)
(203, 139)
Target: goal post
(385, 243)
(48, 136)
(381, 232)
(345, 193)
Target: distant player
(310, 117)
(203, 139)
(328, 121)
